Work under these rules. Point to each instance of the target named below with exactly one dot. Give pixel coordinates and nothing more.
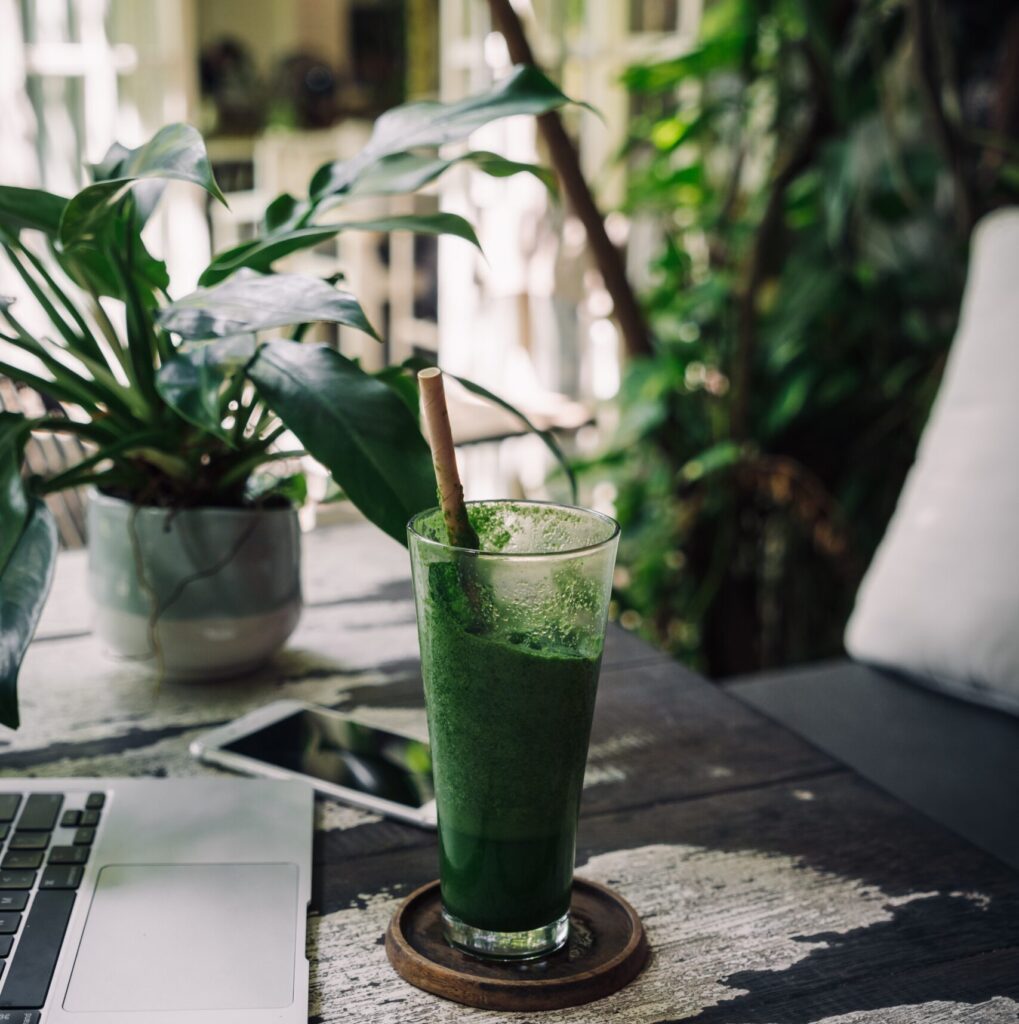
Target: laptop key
(9, 805)
(6, 941)
(61, 876)
(17, 879)
(4, 829)
(95, 801)
(84, 837)
(9, 923)
(40, 813)
(70, 819)
(30, 841)
(23, 859)
(31, 969)
(89, 819)
(68, 855)
(13, 900)
(19, 1017)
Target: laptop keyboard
(45, 845)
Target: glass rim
(498, 555)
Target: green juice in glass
(511, 645)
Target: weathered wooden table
(775, 885)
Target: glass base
(524, 945)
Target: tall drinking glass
(511, 641)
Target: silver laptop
(149, 901)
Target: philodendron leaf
(421, 125)
(13, 501)
(407, 172)
(176, 151)
(260, 253)
(420, 224)
(24, 584)
(146, 193)
(30, 208)
(249, 302)
(191, 381)
(358, 428)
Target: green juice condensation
(509, 717)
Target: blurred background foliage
(816, 168)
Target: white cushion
(940, 601)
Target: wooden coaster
(606, 950)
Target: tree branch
(607, 257)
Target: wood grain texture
(775, 886)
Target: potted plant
(183, 406)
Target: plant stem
(109, 332)
(608, 258)
(94, 431)
(102, 385)
(244, 468)
(65, 301)
(65, 479)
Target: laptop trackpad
(188, 937)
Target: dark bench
(954, 761)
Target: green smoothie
(510, 653)
(509, 721)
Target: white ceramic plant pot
(199, 593)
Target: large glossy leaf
(176, 151)
(191, 382)
(358, 428)
(407, 172)
(421, 125)
(30, 208)
(147, 193)
(13, 502)
(250, 302)
(24, 584)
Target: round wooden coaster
(606, 951)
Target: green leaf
(407, 172)
(176, 151)
(420, 224)
(30, 208)
(717, 457)
(191, 382)
(93, 268)
(13, 502)
(260, 253)
(358, 428)
(249, 302)
(24, 584)
(285, 213)
(262, 487)
(426, 124)
(404, 385)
